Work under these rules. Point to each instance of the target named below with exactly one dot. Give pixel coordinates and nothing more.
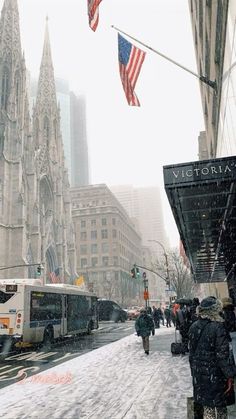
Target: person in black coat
(144, 325)
(212, 367)
(228, 314)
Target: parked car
(110, 310)
(133, 313)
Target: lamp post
(166, 259)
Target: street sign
(146, 295)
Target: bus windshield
(4, 297)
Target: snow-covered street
(113, 382)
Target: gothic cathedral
(35, 208)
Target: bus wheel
(47, 338)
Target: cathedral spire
(46, 95)
(10, 45)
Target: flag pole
(201, 78)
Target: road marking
(31, 356)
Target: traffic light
(135, 272)
(38, 270)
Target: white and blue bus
(34, 313)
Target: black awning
(202, 196)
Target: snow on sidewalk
(116, 381)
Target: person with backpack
(144, 326)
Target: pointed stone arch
(51, 261)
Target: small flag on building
(54, 276)
(130, 62)
(79, 281)
(93, 13)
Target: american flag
(93, 13)
(54, 276)
(130, 63)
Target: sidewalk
(117, 381)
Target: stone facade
(35, 208)
(109, 245)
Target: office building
(107, 244)
(202, 194)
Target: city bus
(32, 313)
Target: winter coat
(210, 362)
(229, 317)
(144, 325)
(156, 314)
(167, 313)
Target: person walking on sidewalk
(212, 367)
(167, 313)
(144, 326)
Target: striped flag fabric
(54, 276)
(93, 13)
(130, 62)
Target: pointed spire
(10, 45)
(46, 95)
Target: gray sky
(127, 145)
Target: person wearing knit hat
(212, 367)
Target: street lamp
(166, 258)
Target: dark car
(110, 310)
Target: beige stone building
(211, 200)
(35, 208)
(107, 244)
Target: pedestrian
(193, 309)
(149, 310)
(183, 324)
(172, 315)
(144, 326)
(228, 314)
(156, 317)
(212, 367)
(167, 313)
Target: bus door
(64, 315)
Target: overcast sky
(127, 145)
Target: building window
(114, 247)
(94, 262)
(93, 223)
(116, 276)
(105, 261)
(83, 262)
(105, 247)
(83, 235)
(104, 221)
(113, 221)
(94, 248)
(114, 234)
(104, 234)
(83, 223)
(115, 260)
(94, 234)
(83, 249)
